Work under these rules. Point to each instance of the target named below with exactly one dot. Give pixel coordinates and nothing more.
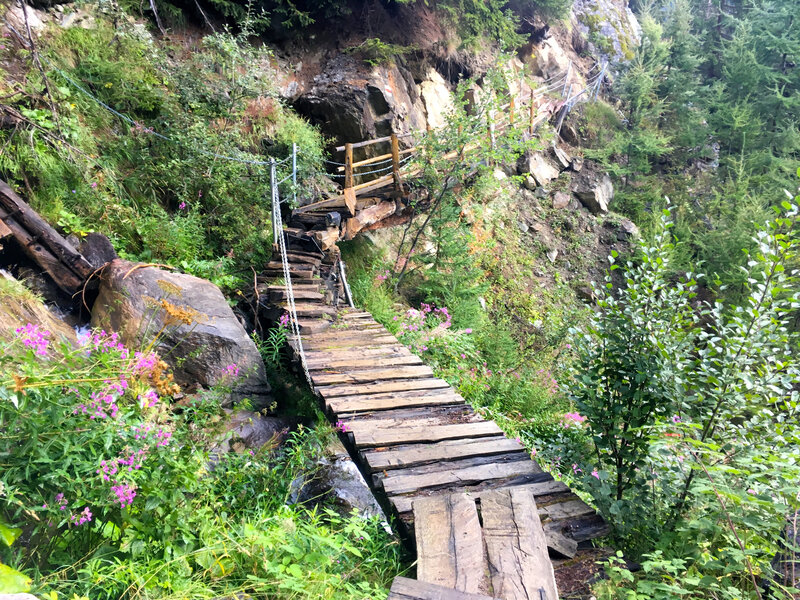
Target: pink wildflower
(34, 338)
(342, 426)
(573, 418)
(283, 322)
(596, 475)
(182, 205)
(125, 494)
(232, 370)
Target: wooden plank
(359, 342)
(516, 547)
(400, 385)
(450, 553)
(373, 406)
(42, 232)
(417, 416)
(566, 510)
(399, 483)
(410, 589)
(332, 376)
(544, 486)
(4, 230)
(64, 277)
(386, 437)
(384, 350)
(354, 364)
(400, 457)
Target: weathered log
(66, 279)
(369, 216)
(39, 230)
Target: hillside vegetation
(660, 382)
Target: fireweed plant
(110, 489)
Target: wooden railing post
(532, 114)
(511, 109)
(348, 166)
(396, 162)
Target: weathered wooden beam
(41, 230)
(66, 279)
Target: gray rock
(610, 26)
(540, 192)
(336, 479)
(562, 158)
(542, 170)
(594, 190)
(561, 200)
(530, 183)
(247, 430)
(523, 226)
(577, 163)
(552, 255)
(97, 249)
(627, 230)
(569, 134)
(198, 352)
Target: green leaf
(8, 534)
(12, 581)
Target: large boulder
(594, 190)
(541, 168)
(610, 26)
(437, 98)
(334, 479)
(201, 335)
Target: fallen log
(65, 278)
(39, 230)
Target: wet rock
(97, 250)
(247, 430)
(561, 200)
(594, 190)
(336, 480)
(19, 306)
(535, 163)
(199, 351)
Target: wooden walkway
(483, 515)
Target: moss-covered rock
(610, 26)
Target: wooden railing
(392, 174)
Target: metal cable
(287, 275)
(150, 130)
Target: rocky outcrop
(247, 430)
(201, 335)
(538, 166)
(595, 190)
(336, 480)
(609, 26)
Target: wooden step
(344, 375)
(308, 277)
(411, 589)
(309, 309)
(413, 455)
(280, 294)
(355, 364)
(371, 437)
(502, 552)
(402, 385)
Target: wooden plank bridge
(486, 520)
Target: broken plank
(544, 485)
(399, 457)
(519, 564)
(367, 403)
(400, 385)
(451, 552)
(411, 589)
(398, 483)
(332, 376)
(386, 437)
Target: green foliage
(374, 51)
(121, 493)
(174, 200)
(694, 427)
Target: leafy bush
(692, 413)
